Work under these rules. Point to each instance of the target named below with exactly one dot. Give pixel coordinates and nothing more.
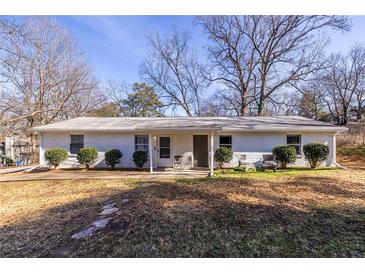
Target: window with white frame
(295, 140)
(225, 141)
(77, 143)
(141, 143)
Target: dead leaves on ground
(301, 215)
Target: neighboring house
(185, 142)
(15, 148)
(2, 153)
(357, 114)
(6, 150)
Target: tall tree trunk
(243, 110)
(345, 116)
(34, 157)
(260, 109)
(359, 111)
(261, 104)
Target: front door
(164, 151)
(200, 150)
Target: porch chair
(177, 161)
(242, 161)
(268, 162)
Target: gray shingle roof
(248, 124)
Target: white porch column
(334, 161)
(41, 152)
(211, 154)
(150, 151)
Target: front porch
(181, 152)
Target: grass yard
(352, 156)
(296, 213)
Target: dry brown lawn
(352, 162)
(288, 214)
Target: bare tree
(309, 100)
(341, 81)
(289, 48)
(358, 56)
(173, 69)
(84, 101)
(257, 56)
(9, 31)
(219, 105)
(233, 60)
(43, 74)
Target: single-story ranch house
(186, 142)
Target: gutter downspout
(211, 173)
(40, 149)
(334, 151)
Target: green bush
(223, 155)
(9, 162)
(284, 155)
(140, 158)
(112, 157)
(55, 156)
(315, 153)
(87, 156)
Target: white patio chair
(242, 161)
(268, 162)
(177, 161)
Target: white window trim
(70, 142)
(299, 144)
(147, 145)
(225, 135)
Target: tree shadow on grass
(329, 186)
(189, 220)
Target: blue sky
(116, 45)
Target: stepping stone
(101, 223)
(62, 252)
(110, 205)
(109, 211)
(84, 233)
(125, 201)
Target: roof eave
(231, 129)
(42, 130)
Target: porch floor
(105, 174)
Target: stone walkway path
(105, 217)
(101, 222)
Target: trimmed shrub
(284, 155)
(112, 157)
(140, 158)
(223, 155)
(87, 156)
(9, 162)
(55, 156)
(315, 153)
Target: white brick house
(186, 142)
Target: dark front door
(200, 150)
